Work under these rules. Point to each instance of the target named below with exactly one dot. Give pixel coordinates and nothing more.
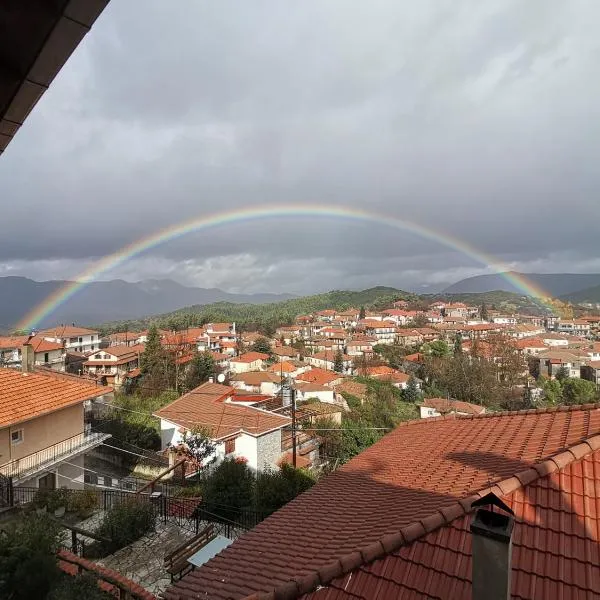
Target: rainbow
(256, 213)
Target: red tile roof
(65, 331)
(321, 376)
(205, 406)
(408, 484)
(26, 396)
(249, 357)
(41, 345)
(12, 341)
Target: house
(530, 345)
(306, 390)
(285, 352)
(311, 412)
(326, 360)
(455, 309)
(552, 361)
(574, 326)
(504, 319)
(43, 438)
(288, 369)
(113, 364)
(321, 376)
(591, 372)
(352, 388)
(72, 337)
(122, 338)
(46, 353)
(383, 331)
(260, 382)
(238, 431)
(249, 361)
(395, 521)
(408, 337)
(360, 347)
(554, 339)
(384, 373)
(436, 407)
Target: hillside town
(435, 442)
(134, 412)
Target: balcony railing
(21, 468)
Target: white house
(574, 326)
(243, 432)
(74, 338)
(504, 320)
(383, 331)
(326, 360)
(259, 382)
(45, 353)
(305, 390)
(249, 361)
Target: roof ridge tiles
(390, 543)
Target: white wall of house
(323, 395)
(427, 412)
(81, 343)
(243, 367)
(65, 475)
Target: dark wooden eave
(36, 39)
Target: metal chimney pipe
(492, 554)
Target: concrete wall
(66, 475)
(246, 446)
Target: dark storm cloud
(479, 119)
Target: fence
(33, 462)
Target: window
(46, 357)
(230, 446)
(92, 339)
(80, 340)
(16, 437)
(93, 347)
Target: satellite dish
(220, 378)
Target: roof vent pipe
(492, 549)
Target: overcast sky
(480, 119)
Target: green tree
(199, 370)
(338, 362)
(437, 348)
(562, 373)
(412, 393)
(276, 488)
(151, 356)
(157, 366)
(198, 445)
(457, 345)
(578, 391)
(262, 344)
(362, 313)
(229, 488)
(552, 390)
(483, 312)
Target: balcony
(22, 468)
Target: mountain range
(557, 285)
(102, 301)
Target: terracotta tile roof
(407, 484)
(256, 377)
(285, 351)
(352, 387)
(446, 405)
(249, 357)
(25, 396)
(205, 406)
(121, 351)
(381, 370)
(12, 341)
(555, 543)
(41, 345)
(282, 367)
(321, 376)
(65, 331)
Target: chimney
(27, 357)
(491, 549)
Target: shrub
(124, 524)
(52, 499)
(276, 488)
(28, 564)
(76, 588)
(82, 502)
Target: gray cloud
(478, 119)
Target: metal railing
(31, 463)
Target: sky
(479, 119)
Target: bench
(176, 563)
